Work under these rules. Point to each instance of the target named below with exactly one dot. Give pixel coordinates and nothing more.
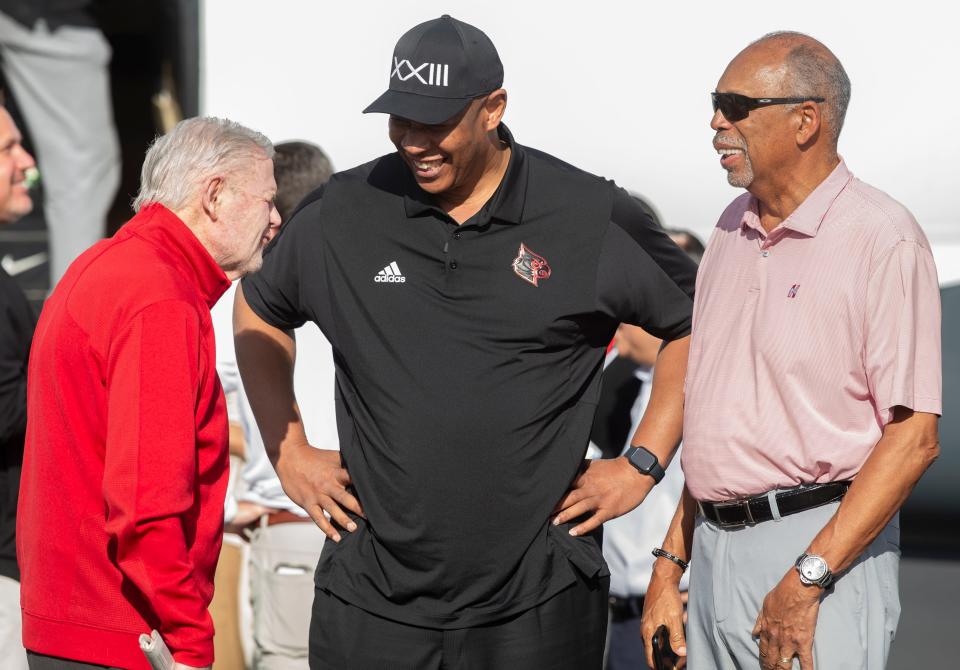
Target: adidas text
(390, 275)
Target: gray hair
(814, 71)
(177, 163)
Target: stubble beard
(744, 177)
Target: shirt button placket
(762, 262)
(453, 265)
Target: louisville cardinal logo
(530, 266)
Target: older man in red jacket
(125, 466)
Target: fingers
(590, 524)
(342, 477)
(806, 659)
(648, 644)
(572, 512)
(316, 513)
(678, 641)
(337, 515)
(572, 496)
(648, 626)
(784, 660)
(348, 500)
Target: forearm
(679, 538)
(907, 448)
(661, 427)
(266, 357)
(153, 555)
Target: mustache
(721, 141)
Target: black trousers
(44, 662)
(566, 632)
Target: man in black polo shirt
(469, 286)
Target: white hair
(177, 163)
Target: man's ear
(810, 122)
(494, 106)
(212, 197)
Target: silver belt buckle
(745, 504)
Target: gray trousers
(62, 84)
(283, 559)
(732, 571)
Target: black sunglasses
(736, 107)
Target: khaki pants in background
(12, 653)
(225, 608)
(283, 559)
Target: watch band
(645, 461)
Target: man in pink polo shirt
(812, 392)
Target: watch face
(813, 568)
(643, 460)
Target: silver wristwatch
(813, 571)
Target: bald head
(796, 65)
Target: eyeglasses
(736, 107)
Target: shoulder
(365, 187)
(872, 221)
(544, 166)
(127, 277)
(555, 187)
(386, 173)
(889, 221)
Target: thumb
(678, 641)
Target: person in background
(284, 543)
(120, 515)
(627, 540)
(813, 390)
(16, 330)
(56, 63)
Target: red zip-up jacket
(125, 467)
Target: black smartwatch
(645, 461)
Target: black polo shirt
(467, 371)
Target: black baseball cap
(438, 67)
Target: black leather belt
(749, 511)
(622, 609)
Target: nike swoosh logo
(15, 266)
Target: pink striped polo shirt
(805, 338)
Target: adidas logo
(390, 275)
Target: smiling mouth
(426, 169)
(728, 155)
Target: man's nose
(414, 141)
(719, 121)
(25, 160)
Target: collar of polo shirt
(806, 218)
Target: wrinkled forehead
(757, 71)
(256, 172)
